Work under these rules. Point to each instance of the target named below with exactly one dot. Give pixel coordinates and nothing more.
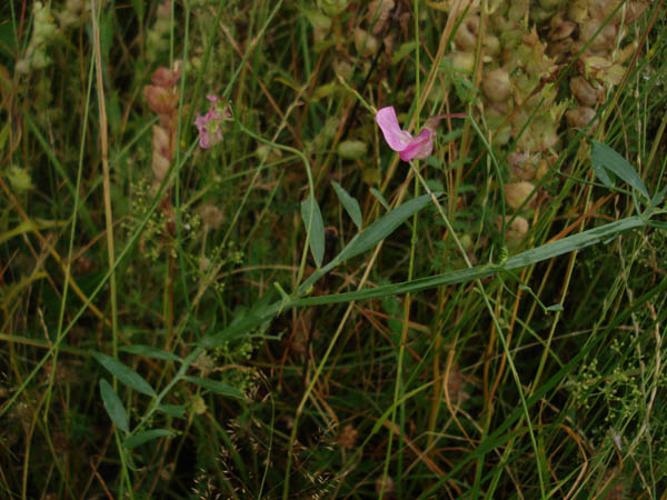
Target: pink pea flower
(209, 124)
(408, 147)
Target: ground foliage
(172, 317)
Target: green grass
(246, 328)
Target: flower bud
(497, 86)
(517, 193)
(352, 150)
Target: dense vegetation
(218, 280)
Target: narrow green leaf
(529, 257)
(379, 197)
(176, 411)
(603, 157)
(312, 218)
(150, 352)
(382, 228)
(124, 374)
(602, 175)
(114, 406)
(139, 9)
(350, 204)
(216, 386)
(28, 226)
(145, 436)
(404, 50)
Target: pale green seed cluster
(524, 46)
(45, 31)
(157, 38)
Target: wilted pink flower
(401, 141)
(209, 125)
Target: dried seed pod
(585, 93)
(378, 14)
(542, 169)
(165, 77)
(517, 193)
(516, 230)
(466, 36)
(211, 216)
(578, 10)
(385, 486)
(463, 61)
(160, 140)
(561, 29)
(598, 41)
(497, 86)
(491, 45)
(365, 43)
(522, 165)
(161, 101)
(580, 117)
(160, 167)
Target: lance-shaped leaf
(607, 160)
(350, 204)
(124, 374)
(312, 218)
(382, 228)
(114, 406)
(145, 436)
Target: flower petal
(397, 139)
(420, 147)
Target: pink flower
(209, 124)
(401, 141)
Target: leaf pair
(312, 218)
(116, 410)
